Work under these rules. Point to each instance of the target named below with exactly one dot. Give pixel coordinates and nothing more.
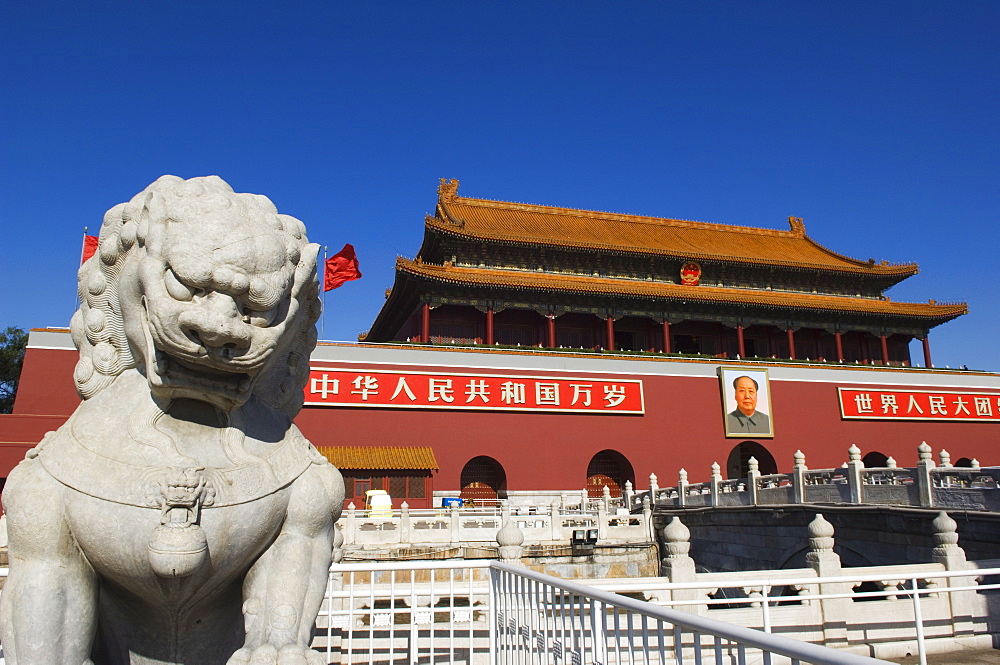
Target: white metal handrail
(849, 576)
(592, 631)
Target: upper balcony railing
(441, 529)
(927, 485)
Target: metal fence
(407, 612)
(489, 612)
(542, 619)
(496, 613)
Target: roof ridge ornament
(798, 228)
(448, 190)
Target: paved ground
(968, 657)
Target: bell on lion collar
(177, 550)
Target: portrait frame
(730, 422)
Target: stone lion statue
(179, 516)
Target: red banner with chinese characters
(481, 392)
(884, 404)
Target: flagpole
(322, 323)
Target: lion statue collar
(85, 456)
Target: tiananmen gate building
(532, 349)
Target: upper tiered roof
(525, 280)
(500, 221)
(478, 251)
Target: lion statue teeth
(179, 516)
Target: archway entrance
(484, 481)
(875, 460)
(611, 468)
(738, 463)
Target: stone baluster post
(602, 519)
(682, 488)
(753, 476)
(716, 480)
(647, 517)
(584, 500)
(925, 487)
(606, 498)
(678, 566)
(555, 522)
(890, 463)
(653, 488)
(948, 553)
(821, 556)
(822, 559)
(946, 550)
(455, 524)
(509, 538)
(351, 524)
(404, 524)
(945, 458)
(627, 495)
(975, 464)
(799, 469)
(855, 467)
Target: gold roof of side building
(482, 219)
(568, 283)
(380, 457)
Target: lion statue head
(211, 294)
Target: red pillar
(611, 334)
(489, 326)
(741, 348)
(666, 337)
(425, 323)
(927, 352)
(840, 346)
(884, 343)
(551, 330)
(791, 344)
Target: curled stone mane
(131, 230)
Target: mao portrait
(746, 402)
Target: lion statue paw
(268, 654)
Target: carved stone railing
(453, 527)
(926, 485)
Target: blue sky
(876, 122)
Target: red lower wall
(682, 425)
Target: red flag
(341, 267)
(89, 247)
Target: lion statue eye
(259, 319)
(177, 289)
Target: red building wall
(682, 425)
(682, 428)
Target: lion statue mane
(179, 516)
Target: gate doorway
(608, 468)
(738, 464)
(484, 481)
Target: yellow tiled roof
(566, 227)
(517, 279)
(380, 457)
